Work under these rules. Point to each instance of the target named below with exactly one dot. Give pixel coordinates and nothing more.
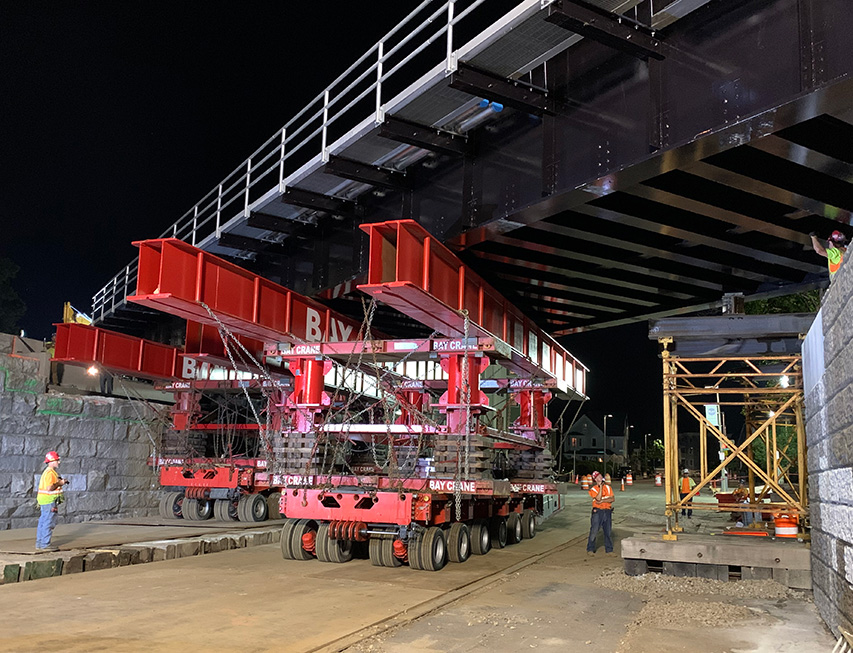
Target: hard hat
(685, 471)
(596, 475)
(837, 237)
(51, 456)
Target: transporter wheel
(273, 505)
(329, 550)
(252, 508)
(171, 504)
(197, 509)
(497, 527)
(481, 538)
(225, 510)
(528, 524)
(433, 549)
(458, 542)
(302, 527)
(382, 553)
(284, 542)
(513, 528)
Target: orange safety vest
(686, 485)
(46, 496)
(606, 491)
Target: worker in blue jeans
(602, 511)
(49, 497)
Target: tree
(803, 302)
(12, 309)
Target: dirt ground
(544, 594)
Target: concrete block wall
(829, 433)
(103, 441)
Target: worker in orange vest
(602, 511)
(687, 484)
(49, 497)
(833, 252)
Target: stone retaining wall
(103, 441)
(829, 432)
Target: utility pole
(604, 446)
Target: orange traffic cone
(577, 479)
(623, 485)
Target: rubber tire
(513, 528)
(498, 530)
(381, 551)
(458, 542)
(481, 538)
(374, 548)
(197, 509)
(171, 505)
(224, 510)
(252, 508)
(433, 549)
(273, 505)
(284, 543)
(328, 550)
(300, 528)
(528, 524)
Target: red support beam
(80, 344)
(413, 272)
(177, 278)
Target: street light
(646, 452)
(604, 448)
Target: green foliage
(803, 302)
(12, 309)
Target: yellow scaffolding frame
(690, 383)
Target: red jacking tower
(400, 449)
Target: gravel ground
(658, 585)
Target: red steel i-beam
(413, 272)
(177, 278)
(80, 344)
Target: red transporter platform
(465, 508)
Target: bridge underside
(624, 178)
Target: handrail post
(450, 66)
(248, 184)
(218, 210)
(195, 223)
(380, 113)
(281, 165)
(126, 281)
(323, 152)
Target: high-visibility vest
(606, 491)
(686, 485)
(46, 496)
(834, 257)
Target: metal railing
(359, 93)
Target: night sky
(117, 117)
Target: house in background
(586, 441)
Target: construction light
(92, 370)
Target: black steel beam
(246, 244)
(613, 30)
(695, 265)
(274, 223)
(365, 173)
(318, 201)
(512, 93)
(427, 138)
